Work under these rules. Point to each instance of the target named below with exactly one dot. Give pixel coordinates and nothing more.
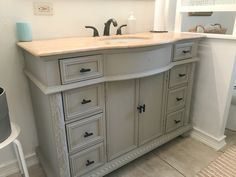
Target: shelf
(209, 8)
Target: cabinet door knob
(86, 101)
(186, 51)
(179, 99)
(182, 75)
(177, 121)
(83, 70)
(86, 134)
(89, 163)
(140, 109)
(144, 108)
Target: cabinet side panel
(121, 117)
(47, 147)
(188, 115)
(46, 72)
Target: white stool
(18, 148)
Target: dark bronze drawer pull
(182, 75)
(177, 121)
(83, 70)
(179, 99)
(186, 51)
(86, 134)
(85, 101)
(89, 163)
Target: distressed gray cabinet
(99, 110)
(122, 120)
(134, 113)
(152, 96)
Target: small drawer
(81, 68)
(183, 51)
(87, 160)
(176, 99)
(174, 120)
(83, 102)
(84, 133)
(179, 75)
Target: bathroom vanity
(102, 102)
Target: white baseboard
(216, 143)
(10, 168)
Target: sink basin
(124, 39)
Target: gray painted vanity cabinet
(97, 111)
(134, 113)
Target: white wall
(70, 17)
(215, 78)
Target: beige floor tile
(187, 155)
(34, 171)
(147, 166)
(181, 156)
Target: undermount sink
(123, 39)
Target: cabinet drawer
(81, 68)
(183, 51)
(179, 75)
(83, 102)
(87, 160)
(84, 133)
(174, 120)
(176, 99)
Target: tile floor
(182, 157)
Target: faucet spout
(107, 26)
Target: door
(151, 101)
(121, 115)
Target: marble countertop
(43, 48)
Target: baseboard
(216, 143)
(12, 167)
(44, 164)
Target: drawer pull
(179, 99)
(83, 70)
(85, 101)
(186, 51)
(88, 134)
(177, 121)
(182, 75)
(89, 163)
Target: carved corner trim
(59, 134)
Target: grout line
(169, 164)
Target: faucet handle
(119, 32)
(95, 31)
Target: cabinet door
(121, 115)
(151, 95)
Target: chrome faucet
(107, 26)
